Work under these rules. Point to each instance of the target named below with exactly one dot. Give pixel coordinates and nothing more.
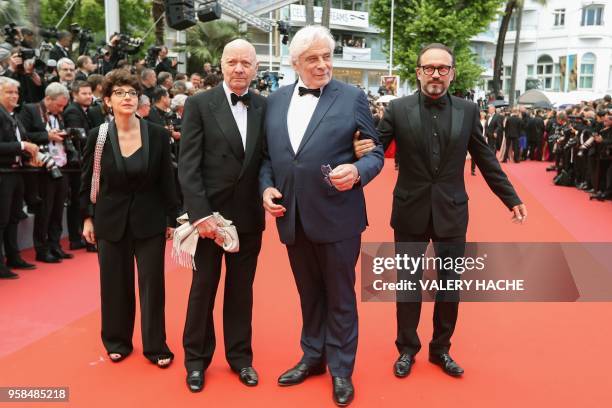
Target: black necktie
(437, 103)
(314, 92)
(245, 99)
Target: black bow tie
(314, 92)
(437, 103)
(245, 99)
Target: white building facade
(565, 45)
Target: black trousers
(514, 144)
(492, 142)
(73, 212)
(199, 336)
(325, 277)
(48, 217)
(119, 299)
(447, 303)
(11, 202)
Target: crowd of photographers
(578, 142)
(46, 110)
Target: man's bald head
(239, 65)
(238, 45)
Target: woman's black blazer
(150, 207)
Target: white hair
(63, 61)
(305, 37)
(178, 100)
(55, 90)
(143, 100)
(6, 81)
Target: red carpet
(514, 354)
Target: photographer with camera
(148, 80)
(603, 142)
(31, 85)
(586, 139)
(44, 126)
(14, 150)
(76, 117)
(62, 47)
(563, 140)
(165, 64)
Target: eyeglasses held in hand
(443, 70)
(326, 170)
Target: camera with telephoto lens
(48, 163)
(73, 151)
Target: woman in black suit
(131, 218)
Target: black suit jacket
(96, 115)
(156, 117)
(151, 207)
(535, 129)
(215, 171)
(421, 193)
(514, 125)
(9, 146)
(494, 127)
(74, 117)
(34, 124)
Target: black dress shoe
(7, 274)
(77, 245)
(344, 392)
(403, 365)
(59, 253)
(299, 373)
(248, 376)
(19, 263)
(445, 361)
(47, 257)
(195, 380)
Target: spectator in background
(76, 116)
(61, 49)
(148, 80)
(144, 107)
(513, 129)
(160, 105)
(65, 72)
(179, 87)
(195, 81)
(210, 81)
(85, 67)
(207, 69)
(95, 82)
(164, 79)
(165, 64)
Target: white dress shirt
(240, 113)
(301, 109)
(56, 150)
